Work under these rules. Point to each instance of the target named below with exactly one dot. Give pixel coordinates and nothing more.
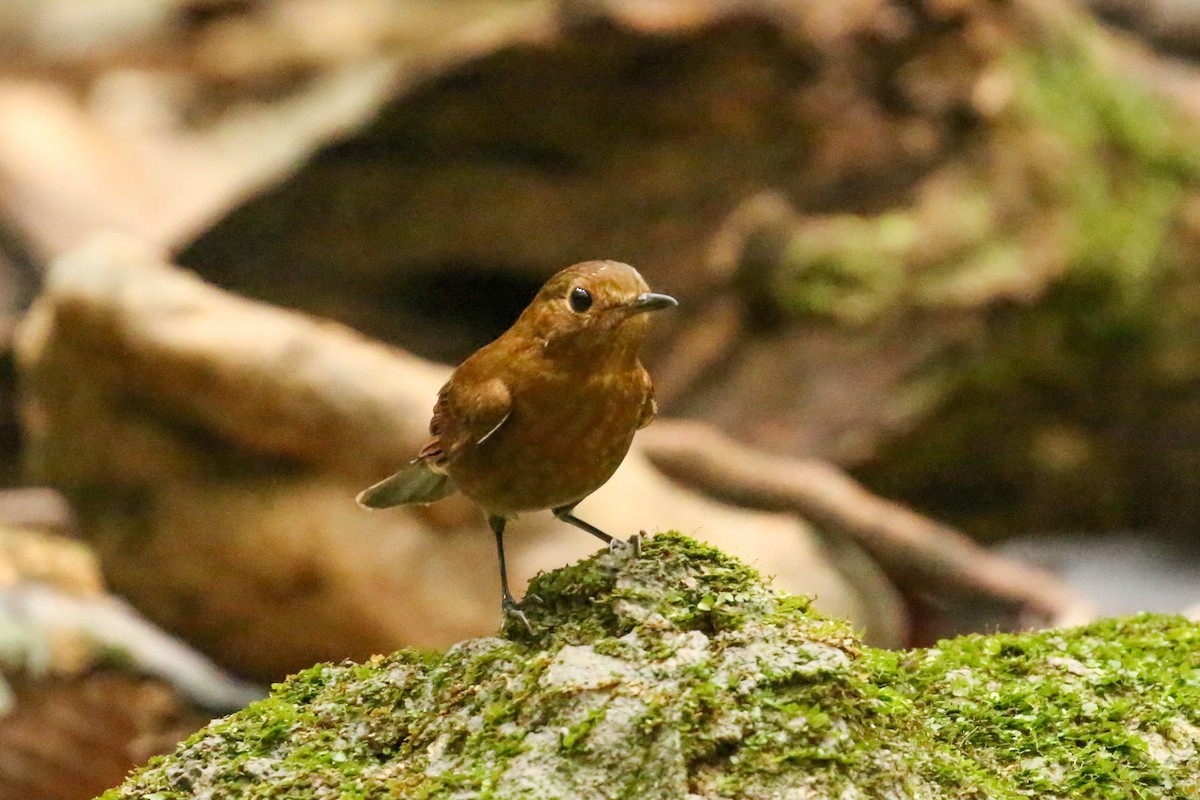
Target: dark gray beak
(652, 301)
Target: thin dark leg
(497, 524)
(508, 605)
(564, 513)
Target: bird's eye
(580, 299)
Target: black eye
(580, 299)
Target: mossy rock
(680, 674)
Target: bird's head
(593, 307)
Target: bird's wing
(460, 416)
(649, 406)
(465, 413)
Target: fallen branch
(918, 554)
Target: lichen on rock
(680, 673)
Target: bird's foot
(514, 610)
(632, 546)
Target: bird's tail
(416, 483)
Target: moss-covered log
(680, 673)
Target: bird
(543, 415)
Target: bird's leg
(566, 514)
(510, 607)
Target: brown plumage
(543, 416)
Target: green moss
(1109, 711)
(1063, 229)
(602, 604)
(1126, 161)
(1082, 173)
(847, 268)
(681, 671)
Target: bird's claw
(632, 545)
(512, 610)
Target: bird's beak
(652, 301)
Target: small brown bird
(543, 416)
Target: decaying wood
(87, 688)
(151, 118)
(74, 738)
(37, 508)
(1172, 26)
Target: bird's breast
(565, 437)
